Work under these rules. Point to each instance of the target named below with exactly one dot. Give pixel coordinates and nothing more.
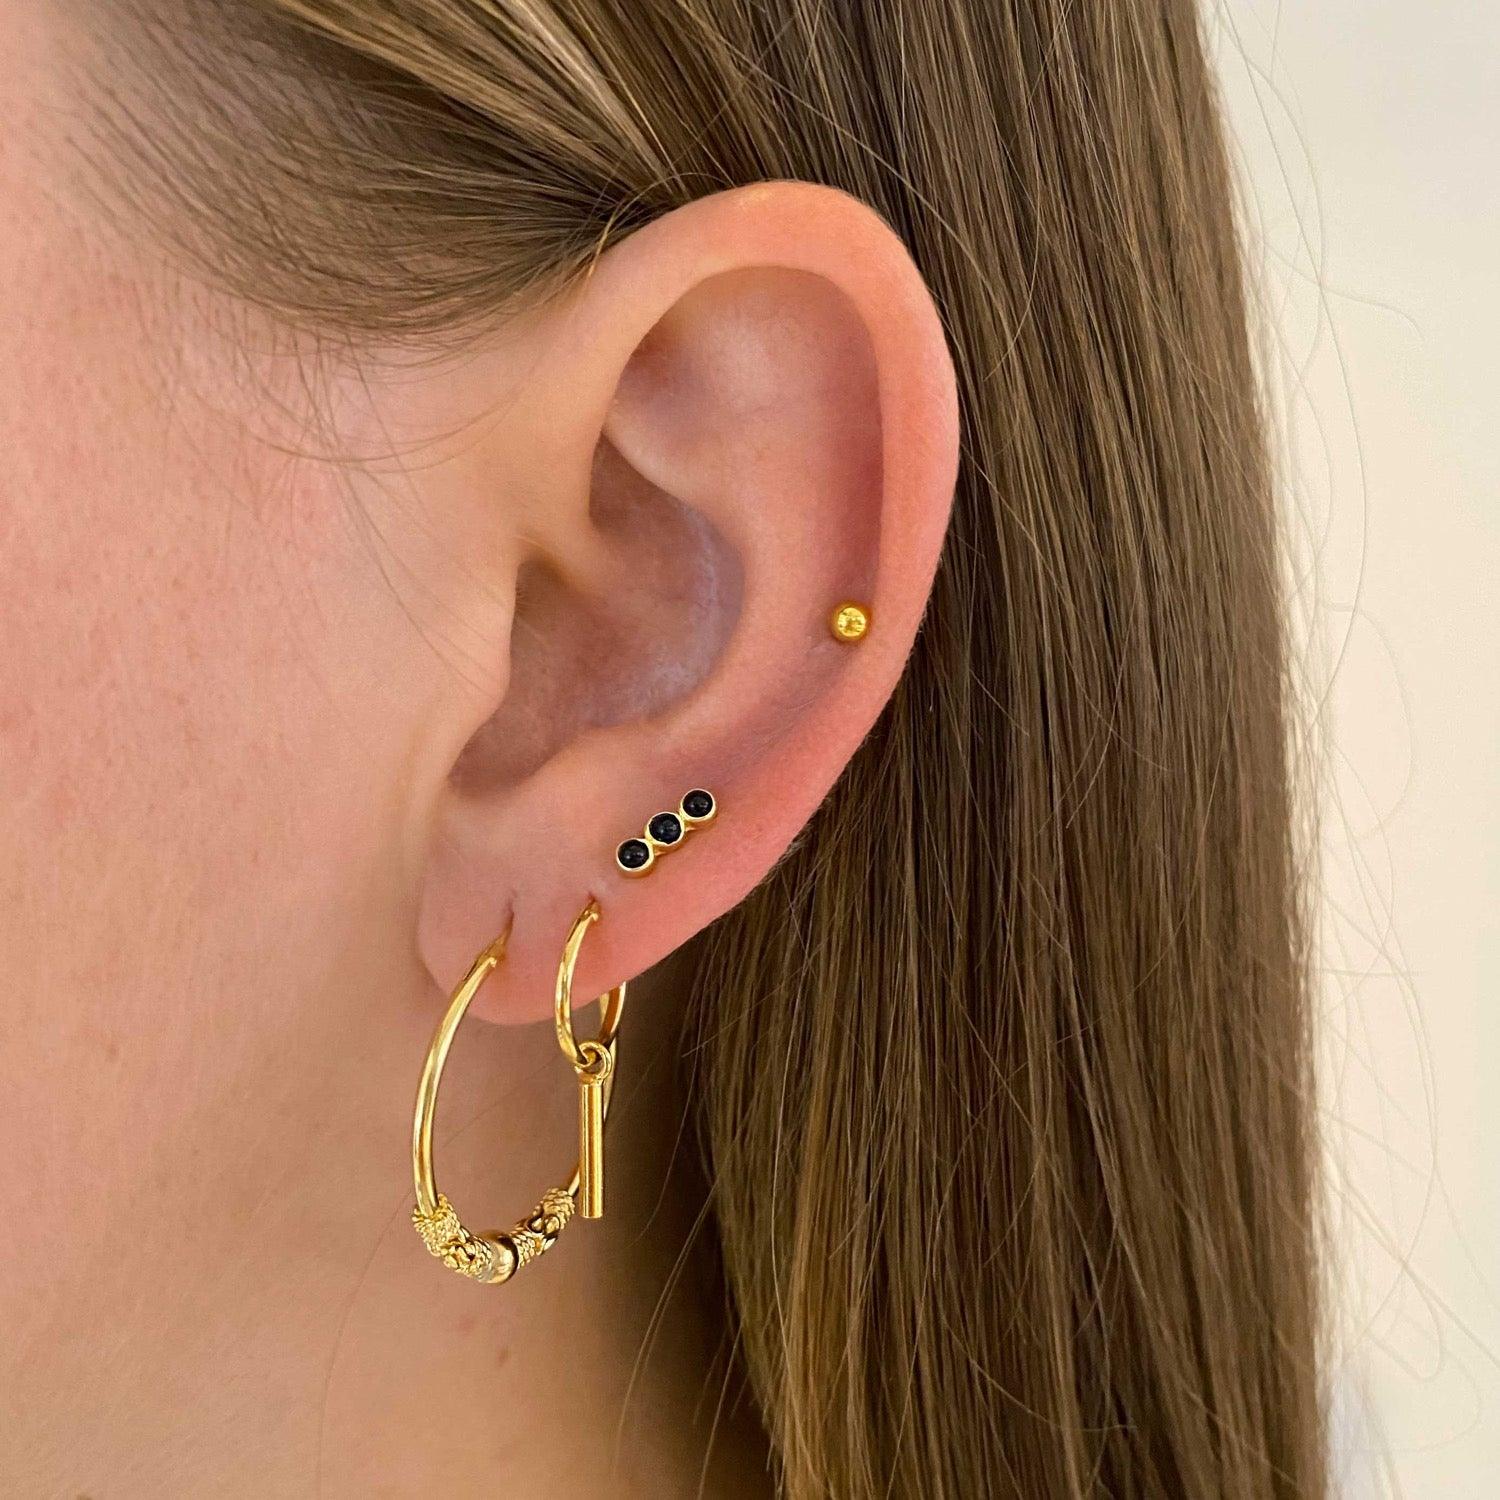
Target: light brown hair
(1042, 1223)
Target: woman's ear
(742, 418)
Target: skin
(315, 674)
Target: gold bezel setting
(666, 831)
(630, 861)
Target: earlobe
(755, 416)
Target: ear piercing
(666, 831)
(850, 622)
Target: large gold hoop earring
(498, 1255)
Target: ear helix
(665, 831)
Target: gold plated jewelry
(497, 1256)
(850, 622)
(665, 831)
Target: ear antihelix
(666, 831)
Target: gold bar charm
(591, 1143)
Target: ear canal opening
(634, 625)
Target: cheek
(189, 744)
(137, 695)
(210, 701)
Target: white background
(1369, 137)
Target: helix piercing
(665, 831)
(850, 622)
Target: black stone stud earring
(698, 808)
(635, 857)
(665, 832)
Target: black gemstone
(665, 828)
(632, 854)
(698, 804)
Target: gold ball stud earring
(850, 622)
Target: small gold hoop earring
(497, 1256)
